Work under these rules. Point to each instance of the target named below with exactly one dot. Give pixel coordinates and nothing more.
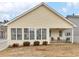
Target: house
(40, 23)
(74, 19)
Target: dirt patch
(66, 49)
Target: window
(13, 33)
(41, 33)
(32, 35)
(50, 33)
(44, 33)
(60, 33)
(68, 34)
(29, 33)
(2, 34)
(19, 34)
(38, 34)
(26, 33)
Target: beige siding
(55, 34)
(41, 17)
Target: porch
(59, 35)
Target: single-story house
(40, 23)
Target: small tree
(5, 21)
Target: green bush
(52, 38)
(26, 44)
(36, 43)
(58, 38)
(15, 45)
(45, 42)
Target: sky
(65, 8)
(9, 10)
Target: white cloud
(4, 16)
(64, 10)
(8, 6)
(5, 6)
(11, 9)
(73, 4)
(70, 6)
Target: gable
(41, 17)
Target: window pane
(39, 34)
(26, 30)
(43, 33)
(26, 33)
(19, 34)
(60, 33)
(68, 34)
(2, 35)
(13, 30)
(13, 33)
(13, 37)
(32, 33)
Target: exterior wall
(41, 17)
(68, 31)
(55, 34)
(74, 19)
(76, 34)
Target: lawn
(54, 49)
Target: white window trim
(25, 33)
(15, 33)
(22, 33)
(35, 33)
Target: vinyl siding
(41, 17)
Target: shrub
(15, 45)
(26, 44)
(68, 40)
(45, 42)
(52, 38)
(36, 43)
(58, 38)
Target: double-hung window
(41, 33)
(32, 34)
(2, 35)
(19, 34)
(38, 34)
(60, 33)
(26, 33)
(13, 33)
(44, 34)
